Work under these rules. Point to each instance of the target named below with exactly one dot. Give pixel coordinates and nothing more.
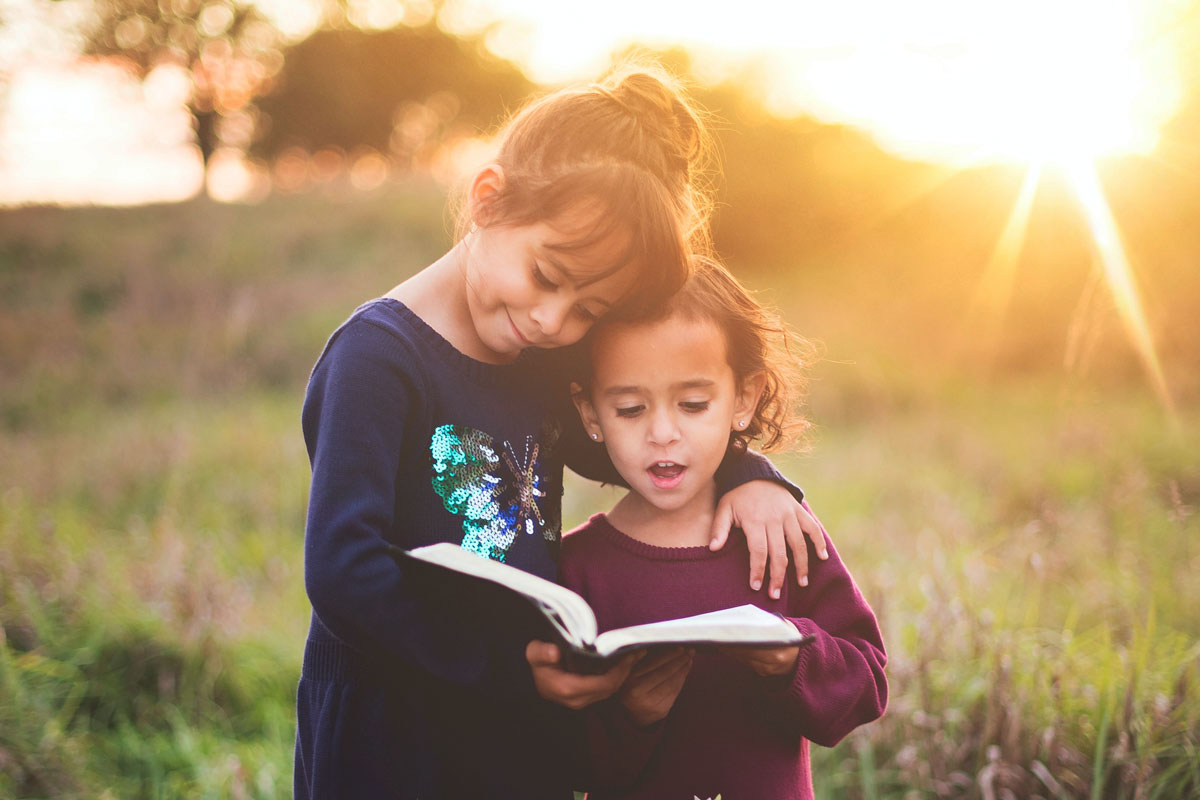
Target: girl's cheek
(577, 331)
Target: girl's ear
(746, 402)
(587, 413)
(487, 184)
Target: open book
(572, 620)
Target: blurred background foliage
(350, 89)
(1013, 499)
(229, 49)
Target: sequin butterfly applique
(499, 491)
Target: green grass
(1034, 566)
(1030, 541)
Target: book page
(565, 609)
(747, 624)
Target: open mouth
(666, 474)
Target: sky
(951, 81)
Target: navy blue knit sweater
(406, 691)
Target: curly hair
(757, 342)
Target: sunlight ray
(987, 309)
(1118, 273)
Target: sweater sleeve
(362, 398)
(839, 680)
(743, 466)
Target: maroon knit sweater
(731, 732)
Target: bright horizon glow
(958, 82)
(955, 82)
(79, 134)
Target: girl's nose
(663, 430)
(550, 317)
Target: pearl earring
(596, 436)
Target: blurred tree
(402, 91)
(228, 48)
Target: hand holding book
(567, 618)
(768, 662)
(572, 689)
(654, 683)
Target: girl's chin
(668, 500)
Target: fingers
(542, 654)
(668, 677)
(660, 663)
(799, 547)
(774, 660)
(650, 659)
(579, 691)
(604, 683)
(649, 697)
(566, 688)
(722, 522)
(756, 542)
(765, 660)
(777, 551)
(624, 668)
(813, 530)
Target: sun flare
(1055, 86)
(1023, 81)
(1118, 273)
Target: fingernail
(824, 554)
(756, 585)
(774, 594)
(804, 580)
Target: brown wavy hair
(631, 149)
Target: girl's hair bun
(659, 104)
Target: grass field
(1029, 540)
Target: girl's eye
(695, 407)
(586, 315)
(540, 278)
(629, 411)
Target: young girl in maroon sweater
(668, 398)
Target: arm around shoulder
(743, 466)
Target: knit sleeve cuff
(793, 688)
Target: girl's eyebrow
(694, 383)
(615, 390)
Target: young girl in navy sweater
(671, 398)
(436, 413)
